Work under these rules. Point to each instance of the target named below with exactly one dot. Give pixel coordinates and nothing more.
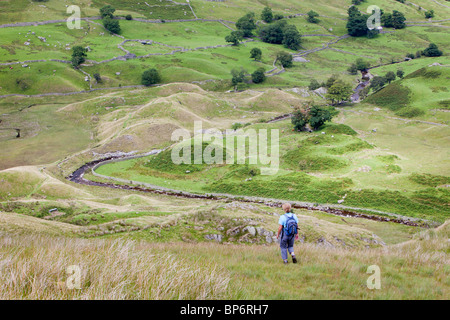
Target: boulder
(251, 230)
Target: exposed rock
(215, 237)
(251, 230)
(323, 242)
(300, 59)
(233, 231)
(263, 232)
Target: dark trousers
(286, 243)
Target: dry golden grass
(35, 267)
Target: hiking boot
(294, 259)
(285, 261)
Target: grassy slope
(323, 168)
(416, 269)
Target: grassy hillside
(416, 269)
(422, 92)
(385, 157)
(196, 62)
(315, 168)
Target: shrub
(432, 51)
(111, 25)
(429, 14)
(353, 69)
(318, 116)
(234, 37)
(299, 119)
(429, 179)
(291, 37)
(314, 84)
(150, 77)
(285, 59)
(256, 54)
(272, 33)
(410, 112)
(129, 17)
(394, 96)
(78, 55)
(312, 17)
(258, 76)
(107, 11)
(267, 15)
(246, 24)
(236, 125)
(97, 77)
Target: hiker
(288, 227)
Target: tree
(314, 84)
(277, 16)
(318, 116)
(372, 33)
(299, 119)
(111, 25)
(353, 11)
(256, 54)
(377, 83)
(432, 51)
(400, 73)
(357, 23)
(238, 76)
(353, 69)
(386, 20)
(331, 81)
(273, 33)
(267, 15)
(150, 77)
(390, 76)
(234, 37)
(97, 77)
(312, 17)
(339, 91)
(429, 14)
(246, 24)
(107, 11)
(291, 37)
(362, 65)
(398, 20)
(78, 55)
(258, 76)
(285, 59)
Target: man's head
(286, 207)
